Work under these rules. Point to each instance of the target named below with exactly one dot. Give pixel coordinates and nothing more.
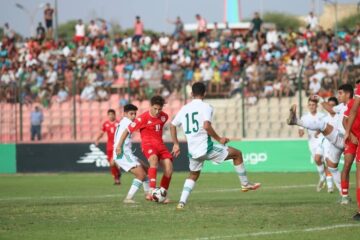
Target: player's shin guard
(312, 125)
(165, 182)
(188, 187)
(152, 177)
(344, 188)
(329, 181)
(136, 184)
(146, 185)
(240, 170)
(336, 176)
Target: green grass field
(88, 206)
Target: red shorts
(109, 153)
(78, 39)
(159, 150)
(350, 148)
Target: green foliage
(66, 30)
(1, 32)
(350, 22)
(283, 21)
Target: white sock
(321, 171)
(136, 184)
(146, 185)
(336, 176)
(329, 182)
(318, 125)
(240, 170)
(188, 187)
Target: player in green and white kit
(127, 160)
(195, 119)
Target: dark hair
(130, 107)
(348, 89)
(333, 99)
(198, 89)
(111, 111)
(313, 100)
(157, 100)
(357, 81)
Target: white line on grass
(29, 198)
(256, 234)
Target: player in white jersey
(195, 119)
(315, 140)
(127, 160)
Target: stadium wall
(259, 156)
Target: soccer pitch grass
(88, 206)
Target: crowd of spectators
(261, 62)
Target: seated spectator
(88, 93)
(101, 94)
(62, 95)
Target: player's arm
(212, 133)
(176, 146)
(99, 136)
(352, 137)
(124, 135)
(352, 117)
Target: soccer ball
(159, 195)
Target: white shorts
(336, 138)
(316, 149)
(127, 161)
(217, 155)
(331, 152)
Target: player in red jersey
(109, 128)
(150, 124)
(353, 126)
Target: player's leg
(357, 215)
(319, 166)
(345, 178)
(152, 171)
(167, 167)
(140, 176)
(146, 181)
(188, 187)
(322, 150)
(333, 168)
(115, 171)
(237, 158)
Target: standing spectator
(36, 120)
(138, 29)
(201, 27)
(312, 21)
(179, 27)
(93, 29)
(40, 32)
(8, 32)
(79, 31)
(48, 16)
(256, 23)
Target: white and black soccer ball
(159, 195)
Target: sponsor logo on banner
(255, 158)
(95, 156)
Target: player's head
(345, 92)
(157, 103)
(312, 105)
(130, 111)
(111, 114)
(198, 90)
(333, 101)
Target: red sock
(165, 182)
(152, 177)
(344, 188)
(358, 197)
(115, 172)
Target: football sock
(240, 170)
(115, 172)
(329, 181)
(152, 177)
(146, 185)
(358, 198)
(321, 171)
(136, 184)
(165, 182)
(336, 176)
(188, 187)
(344, 188)
(312, 125)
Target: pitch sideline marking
(256, 234)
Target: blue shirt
(36, 118)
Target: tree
(350, 22)
(66, 30)
(1, 33)
(282, 20)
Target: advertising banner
(7, 158)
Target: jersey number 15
(194, 123)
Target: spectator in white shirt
(272, 36)
(88, 93)
(314, 87)
(312, 21)
(93, 29)
(79, 31)
(62, 95)
(207, 74)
